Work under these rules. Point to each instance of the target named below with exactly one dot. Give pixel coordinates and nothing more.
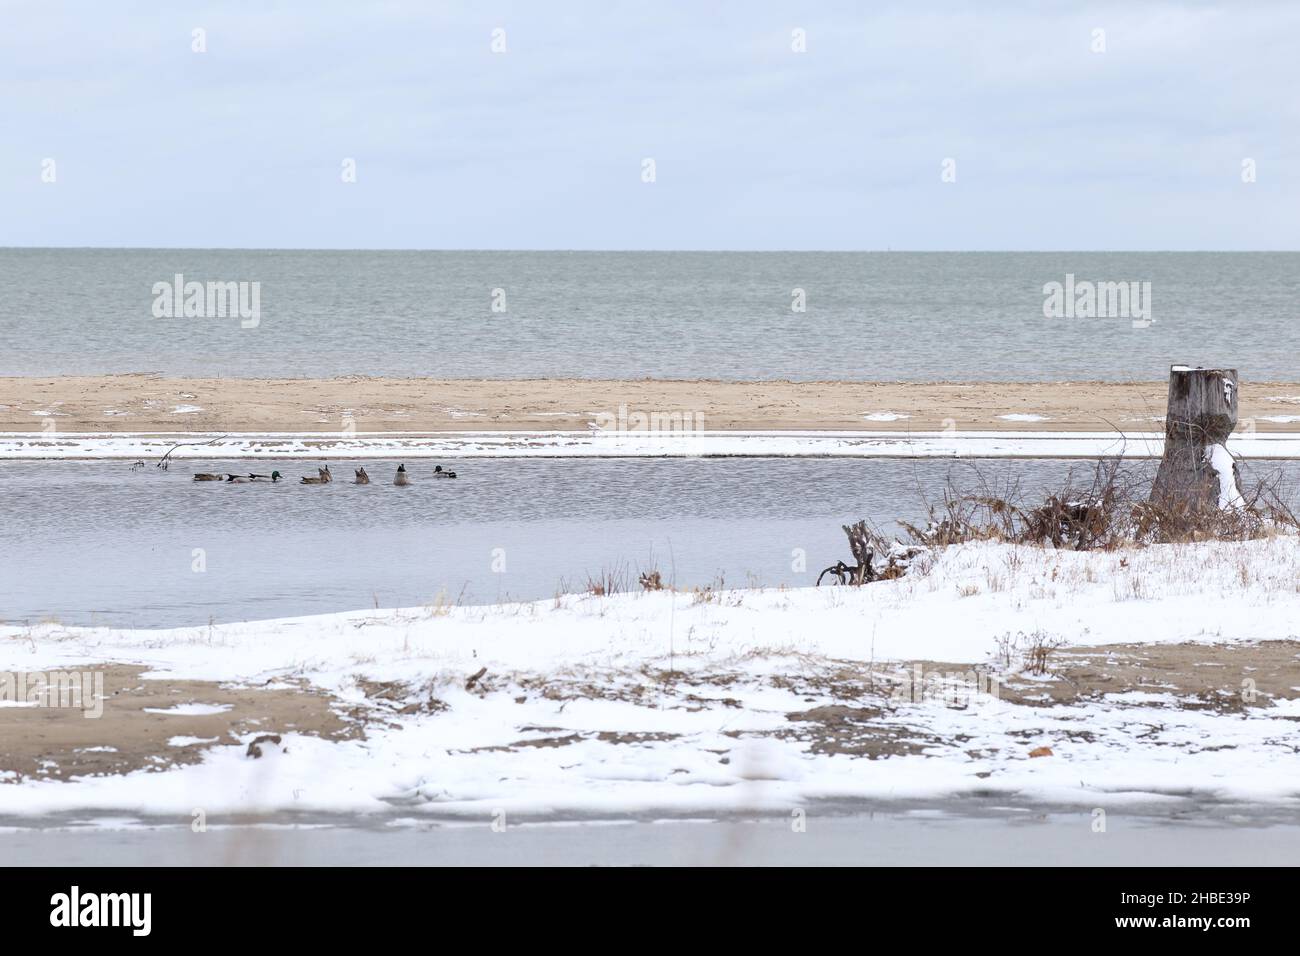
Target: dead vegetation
(608, 581)
(1105, 511)
(1108, 510)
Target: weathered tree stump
(897, 558)
(1197, 473)
(860, 545)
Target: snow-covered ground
(629, 444)
(703, 701)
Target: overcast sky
(755, 146)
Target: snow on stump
(1197, 473)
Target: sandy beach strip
(114, 404)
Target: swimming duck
(362, 477)
(439, 473)
(273, 476)
(209, 477)
(323, 477)
(400, 478)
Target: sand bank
(152, 404)
(140, 723)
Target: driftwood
(860, 546)
(843, 573)
(897, 558)
(165, 462)
(1202, 412)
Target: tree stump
(860, 545)
(1197, 473)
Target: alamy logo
(103, 909)
(82, 690)
(208, 300)
(1092, 300)
(624, 421)
(953, 688)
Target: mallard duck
(273, 476)
(203, 476)
(362, 477)
(400, 478)
(439, 473)
(323, 477)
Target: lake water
(872, 315)
(97, 543)
(957, 832)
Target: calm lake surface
(870, 315)
(953, 835)
(98, 543)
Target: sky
(115, 131)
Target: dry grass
(440, 606)
(1028, 652)
(1108, 511)
(609, 581)
(1039, 650)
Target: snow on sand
(953, 443)
(713, 701)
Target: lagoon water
(870, 315)
(94, 542)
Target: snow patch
(1220, 459)
(596, 444)
(189, 710)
